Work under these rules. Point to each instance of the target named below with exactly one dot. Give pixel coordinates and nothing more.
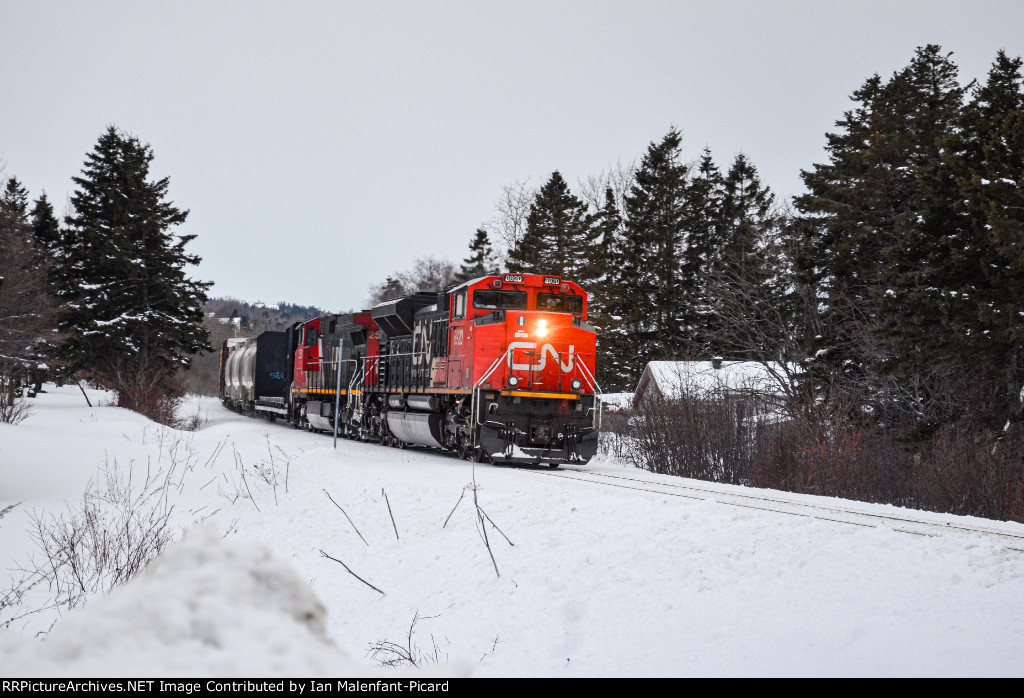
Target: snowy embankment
(593, 581)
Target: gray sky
(322, 145)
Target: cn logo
(545, 350)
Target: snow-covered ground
(599, 582)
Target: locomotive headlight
(513, 381)
(576, 383)
(542, 327)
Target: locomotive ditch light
(576, 384)
(513, 381)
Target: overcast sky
(322, 145)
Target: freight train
(497, 369)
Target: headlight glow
(542, 327)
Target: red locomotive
(500, 368)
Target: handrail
(598, 393)
(404, 353)
(476, 390)
(352, 384)
(337, 393)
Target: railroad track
(774, 502)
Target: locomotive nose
(540, 351)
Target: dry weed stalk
(346, 516)
(393, 655)
(393, 525)
(349, 570)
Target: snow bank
(205, 607)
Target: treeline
(103, 295)
(891, 292)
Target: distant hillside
(230, 317)
(258, 316)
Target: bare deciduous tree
(508, 225)
(428, 273)
(618, 178)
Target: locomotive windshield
(488, 299)
(560, 303)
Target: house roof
(674, 379)
(617, 401)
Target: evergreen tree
(14, 200)
(557, 233)
(599, 263)
(601, 280)
(45, 227)
(747, 215)
(133, 316)
(880, 214)
(749, 254)
(480, 261)
(981, 305)
(654, 292)
(705, 215)
(392, 288)
(27, 317)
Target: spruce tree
(557, 233)
(480, 261)
(601, 280)
(982, 302)
(749, 255)
(27, 320)
(705, 216)
(14, 200)
(880, 210)
(45, 227)
(133, 316)
(654, 291)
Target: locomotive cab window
(460, 305)
(310, 337)
(560, 303)
(488, 299)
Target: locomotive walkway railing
(598, 393)
(474, 400)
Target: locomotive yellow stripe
(523, 393)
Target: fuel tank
(421, 428)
